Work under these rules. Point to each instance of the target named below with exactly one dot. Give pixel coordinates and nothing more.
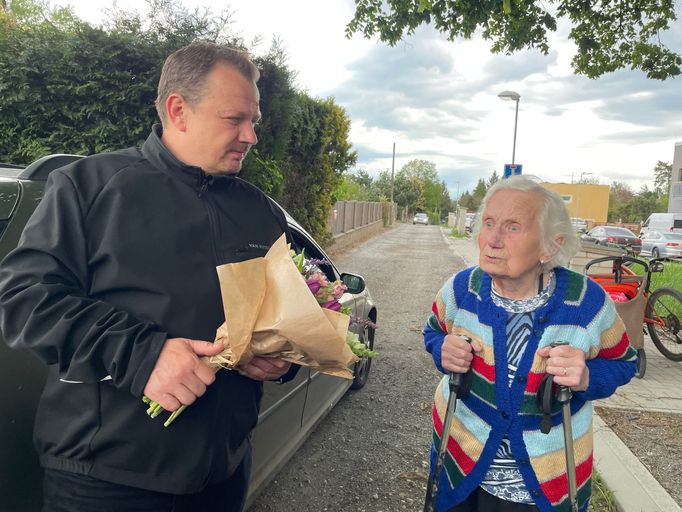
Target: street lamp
(514, 96)
(581, 176)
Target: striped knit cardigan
(579, 313)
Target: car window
(615, 231)
(673, 236)
(301, 242)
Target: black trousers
(72, 492)
(481, 501)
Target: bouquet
(270, 311)
(328, 295)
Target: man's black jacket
(119, 256)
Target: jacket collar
(161, 157)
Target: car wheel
(654, 252)
(362, 367)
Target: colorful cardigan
(579, 313)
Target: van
(662, 222)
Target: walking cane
(459, 385)
(563, 396)
(454, 383)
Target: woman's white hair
(553, 220)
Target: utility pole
(392, 171)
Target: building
(585, 200)
(675, 197)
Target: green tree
(608, 35)
(381, 187)
(68, 87)
(355, 186)
(492, 180)
(479, 192)
(319, 153)
(663, 172)
(641, 206)
(620, 195)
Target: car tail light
(611, 239)
(637, 241)
(672, 244)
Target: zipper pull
(206, 180)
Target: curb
(633, 487)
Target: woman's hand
(567, 364)
(457, 353)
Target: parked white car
(421, 218)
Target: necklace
(525, 305)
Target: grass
(671, 276)
(602, 498)
(456, 234)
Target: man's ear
(176, 112)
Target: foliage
(318, 155)
(69, 87)
(663, 172)
(608, 35)
(355, 186)
(602, 499)
(628, 206)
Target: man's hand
(567, 364)
(457, 353)
(264, 368)
(180, 376)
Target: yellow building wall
(582, 200)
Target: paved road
(370, 453)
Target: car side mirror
(354, 283)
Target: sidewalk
(634, 488)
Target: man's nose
(248, 134)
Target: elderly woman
(499, 319)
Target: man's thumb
(205, 348)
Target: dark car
(661, 244)
(614, 236)
(289, 412)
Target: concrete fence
(351, 222)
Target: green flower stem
(174, 415)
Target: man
(114, 286)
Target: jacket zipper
(206, 181)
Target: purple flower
(314, 285)
(334, 305)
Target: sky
(437, 100)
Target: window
(567, 199)
(676, 189)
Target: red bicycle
(656, 313)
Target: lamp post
(514, 96)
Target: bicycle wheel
(664, 308)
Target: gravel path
(370, 453)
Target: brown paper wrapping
(270, 311)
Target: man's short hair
(185, 71)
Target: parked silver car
(661, 244)
(421, 218)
